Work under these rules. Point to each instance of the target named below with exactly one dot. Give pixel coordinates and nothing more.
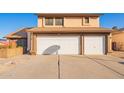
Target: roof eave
(69, 32)
(15, 37)
(67, 14)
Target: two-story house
(68, 33)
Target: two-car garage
(70, 44)
(70, 40)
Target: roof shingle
(69, 30)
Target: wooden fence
(10, 52)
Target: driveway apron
(64, 67)
(77, 67)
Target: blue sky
(13, 21)
(112, 19)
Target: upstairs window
(59, 21)
(49, 21)
(87, 21)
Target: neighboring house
(118, 40)
(68, 33)
(20, 37)
(3, 42)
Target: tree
(115, 27)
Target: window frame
(62, 19)
(86, 20)
(48, 19)
(54, 22)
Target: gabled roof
(21, 33)
(69, 30)
(67, 14)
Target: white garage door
(57, 44)
(94, 45)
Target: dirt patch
(122, 57)
(117, 54)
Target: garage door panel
(94, 44)
(58, 45)
(69, 45)
(49, 49)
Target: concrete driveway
(63, 66)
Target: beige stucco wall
(109, 42)
(119, 39)
(40, 22)
(74, 22)
(94, 22)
